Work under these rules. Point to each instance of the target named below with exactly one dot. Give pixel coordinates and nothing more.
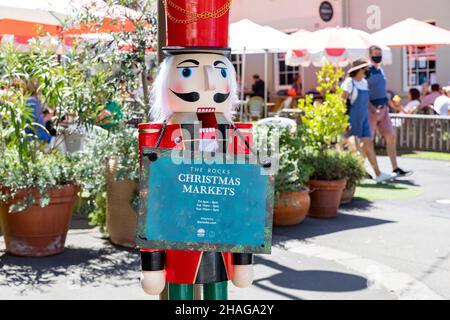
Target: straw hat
(358, 64)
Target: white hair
(159, 104)
(234, 96)
(160, 109)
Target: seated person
(412, 106)
(258, 87)
(442, 104)
(38, 116)
(430, 98)
(48, 119)
(297, 87)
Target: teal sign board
(224, 207)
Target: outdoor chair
(255, 107)
(286, 104)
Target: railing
(421, 132)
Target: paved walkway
(382, 250)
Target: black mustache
(221, 97)
(189, 97)
(195, 96)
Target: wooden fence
(421, 132)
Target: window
(236, 60)
(419, 65)
(284, 75)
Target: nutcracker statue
(192, 99)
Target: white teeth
(206, 110)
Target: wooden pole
(161, 30)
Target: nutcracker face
(199, 82)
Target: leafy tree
(131, 64)
(326, 119)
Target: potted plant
(325, 121)
(110, 169)
(327, 183)
(37, 187)
(354, 172)
(292, 199)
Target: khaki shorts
(380, 120)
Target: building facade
(410, 68)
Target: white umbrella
(412, 32)
(334, 45)
(37, 11)
(300, 33)
(247, 37)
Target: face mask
(377, 59)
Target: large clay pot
(121, 218)
(347, 194)
(291, 208)
(38, 231)
(325, 198)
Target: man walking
(379, 118)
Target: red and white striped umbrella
(339, 46)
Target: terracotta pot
(291, 209)
(347, 195)
(325, 198)
(121, 218)
(37, 231)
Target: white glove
(153, 282)
(243, 276)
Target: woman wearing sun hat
(357, 92)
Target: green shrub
(292, 173)
(354, 170)
(46, 171)
(327, 165)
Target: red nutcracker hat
(197, 26)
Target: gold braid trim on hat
(193, 16)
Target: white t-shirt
(442, 105)
(410, 106)
(347, 85)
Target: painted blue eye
(186, 72)
(224, 73)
